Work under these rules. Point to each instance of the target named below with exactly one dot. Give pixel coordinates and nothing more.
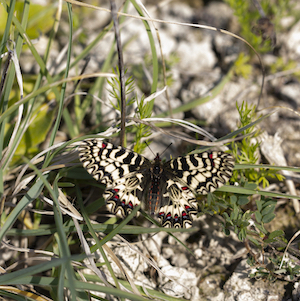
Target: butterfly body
(167, 190)
(153, 198)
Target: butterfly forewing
(166, 190)
(108, 163)
(203, 173)
(117, 168)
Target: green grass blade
(30, 196)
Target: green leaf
(233, 199)
(258, 216)
(227, 232)
(226, 216)
(275, 233)
(255, 241)
(268, 210)
(235, 213)
(37, 131)
(242, 234)
(261, 228)
(267, 218)
(270, 202)
(251, 185)
(243, 200)
(259, 205)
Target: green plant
(246, 151)
(248, 17)
(249, 209)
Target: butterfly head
(156, 168)
(157, 158)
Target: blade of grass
(242, 190)
(199, 101)
(121, 70)
(152, 47)
(128, 229)
(18, 276)
(64, 85)
(30, 196)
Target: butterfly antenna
(149, 147)
(166, 149)
(162, 152)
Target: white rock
(293, 41)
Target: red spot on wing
(184, 188)
(187, 208)
(169, 215)
(116, 197)
(210, 156)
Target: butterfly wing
(186, 177)
(178, 205)
(108, 163)
(117, 168)
(203, 173)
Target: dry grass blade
(87, 251)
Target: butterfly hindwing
(178, 206)
(121, 201)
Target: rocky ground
(217, 270)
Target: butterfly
(166, 190)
